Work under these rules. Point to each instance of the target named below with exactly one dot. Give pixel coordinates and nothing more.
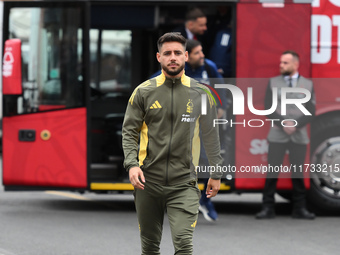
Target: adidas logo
(156, 105)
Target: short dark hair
(191, 44)
(293, 53)
(194, 13)
(171, 37)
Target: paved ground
(34, 223)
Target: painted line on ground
(67, 194)
(79, 197)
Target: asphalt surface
(60, 223)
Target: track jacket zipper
(171, 133)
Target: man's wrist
(128, 169)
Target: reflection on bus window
(112, 72)
(51, 57)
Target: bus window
(51, 57)
(110, 60)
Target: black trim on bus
(86, 80)
(232, 130)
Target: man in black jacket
(195, 25)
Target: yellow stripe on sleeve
(144, 139)
(196, 144)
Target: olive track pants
(181, 203)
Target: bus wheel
(325, 166)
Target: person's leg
(297, 153)
(276, 153)
(182, 208)
(150, 209)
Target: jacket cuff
(129, 167)
(216, 175)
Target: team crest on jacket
(190, 106)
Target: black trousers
(276, 153)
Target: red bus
(69, 68)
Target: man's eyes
(176, 53)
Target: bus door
(121, 35)
(45, 115)
(264, 31)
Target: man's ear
(297, 65)
(186, 56)
(158, 56)
(189, 24)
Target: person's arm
(211, 144)
(133, 121)
(268, 102)
(310, 106)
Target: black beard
(175, 72)
(286, 73)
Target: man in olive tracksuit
(164, 115)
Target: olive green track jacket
(161, 130)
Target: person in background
(291, 137)
(205, 71)
(195, 24)
(220, 47)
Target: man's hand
(213, 187)
(136, 177)
(290, 129)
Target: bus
(69, 67)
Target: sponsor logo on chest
(187, 118)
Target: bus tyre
(325, 164)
